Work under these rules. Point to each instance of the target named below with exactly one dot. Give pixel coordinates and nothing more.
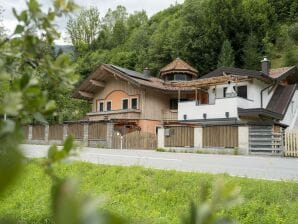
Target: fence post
(46, 133)
(160, 137)
(243, 140)
(85, 135)
(29, 133)
(65, 130)
(198, 137)
(110, 130)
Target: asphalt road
(273, 168)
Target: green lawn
(149, 196)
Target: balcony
(170, 115)
(115, 114)
(223, 108)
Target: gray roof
(238, 71)
(131, 73)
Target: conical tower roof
(178, 66)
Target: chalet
(225, 103)
(136, 101)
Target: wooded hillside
(205, 33)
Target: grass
(148, 196)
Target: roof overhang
(259, 113)
(213, 81)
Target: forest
(206, 33)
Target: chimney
(265, 65)
(147, 72)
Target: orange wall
(116, 98)
(148, 125)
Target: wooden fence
(135, 140)
(291, 144)
(179, 136)
(76, 130)
(38, 132)
(97, 131)
(56, 132)
(220, 136)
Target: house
(136, 101)
(214, 111)
(259, 103)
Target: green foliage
(148, 195)
(293, 32)
(251, 56)
(84, 28)
(226, 56)
(223, 197)
(194, 31)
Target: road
(271, 168)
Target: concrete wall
(243, 140)
(213, 111)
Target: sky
(150, 6)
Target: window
(134, 103)
(173, 104)
(181, 77)
(242, 91)
(109, 105)
(124, 104)
(100, 107)
(224, 91)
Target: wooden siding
(76, 130)
(291, 144)
(38, 132)
(135, 140)
(220, 136)
(180, 136)
(97, 131)
(151, 103)
(56, 132)
(26, 131)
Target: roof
(281, 99)
(178, 65)
(89, 87)
(131, 73)
(240, 72)
(277, 106)
(274, 74)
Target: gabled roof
(281, 99)
(178, 65)
(274, 74)
(277, 106)
(238, 71)
(95, 81)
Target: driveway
(273, 168)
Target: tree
(84, 28)
(226, 56)
(251, 56)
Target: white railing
(222, 108)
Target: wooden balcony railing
(170, 115)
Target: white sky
(150, 6)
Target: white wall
(291, 116)
(254, 89)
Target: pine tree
(251, 56)
(226, 56)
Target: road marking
(127, 156)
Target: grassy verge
(148, 196)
